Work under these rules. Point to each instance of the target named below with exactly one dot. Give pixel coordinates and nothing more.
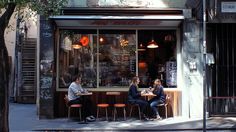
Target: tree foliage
(7, 8)
(42, 7)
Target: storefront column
(45, 101)
(192, 92)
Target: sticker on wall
(171, 73)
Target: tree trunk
(4, 69)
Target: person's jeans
(153, 105)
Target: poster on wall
(171, 73)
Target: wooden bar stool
(117, 105)
(104, 106)
(131, 109)
(165, 104)
(72, 106)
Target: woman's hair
(156, 80)
(134, 80)
(76, 77)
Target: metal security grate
(221, 39)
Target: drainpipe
(15, 85)
(204, 66)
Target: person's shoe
(144, 117)
(151, 119)
(89, 119)
(158, 117)
(92, 118)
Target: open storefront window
(77, 56)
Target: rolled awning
(95, 17)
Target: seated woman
(158, 99)
(134, 97)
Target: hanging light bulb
(101, 39)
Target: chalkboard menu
(171, 73)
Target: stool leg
(115, 112)
(124, 113)
(166, 111)
(80, 114)
(130, 111)
(112, 112)
(97, 111)
(68, 112)
(139, 113)
(106, 114)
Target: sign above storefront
(222, 12)
(127, 3)
(228, 7)
(118, 21)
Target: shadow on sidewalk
(23, 117)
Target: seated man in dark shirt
(158, 99)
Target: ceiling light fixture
(152, 44)
(76, 46)
(141, 47)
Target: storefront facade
(107, 44)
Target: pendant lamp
(152, 44)
(141, 47)
(76, 46)
(76, 42)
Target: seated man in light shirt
(75, 88)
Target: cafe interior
(110, 58)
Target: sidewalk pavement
(23, 117)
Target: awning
(103, 21)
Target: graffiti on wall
(46, 59)
(45, 86)
(46, 67)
